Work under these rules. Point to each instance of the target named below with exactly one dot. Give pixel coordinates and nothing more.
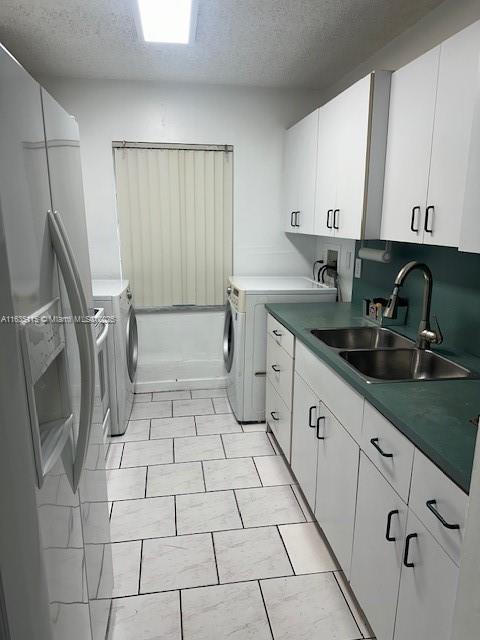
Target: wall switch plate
(358, 268)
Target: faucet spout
(425, 335)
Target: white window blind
(175, 218)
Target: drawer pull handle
(410, 537)
(276, 368)
(374, 441)
(277, 333)
(274, 415)
(389, 537)
(318, 427)
(412, 221)
(431, 504)
(310, 416)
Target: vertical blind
(175, 218)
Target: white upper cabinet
(351, 158)
(300, 174)
(430, 121)
(410, 127)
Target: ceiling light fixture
(169, 21)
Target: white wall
(252, 120)
(176, 350)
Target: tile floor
(211, 539)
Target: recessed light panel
(166, 20)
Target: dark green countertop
(434, 415)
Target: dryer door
(228, 338)
(132, 344)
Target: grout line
(146, 479)
(265, 607)
(181, 613)
(195, 425)
(175, 514)
(150, 429)
(305, 515)
(121, 455)
(256, 469)
(203, 476)
(223, 445)
(286, 550)
(238, 507)
(140, 567)
(198, 533)
(215, 557)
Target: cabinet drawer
(343, 401)
(429, 483)
(395, 464)
(279, 419)
(282, 336)
(280, 370)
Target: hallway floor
(211, 538)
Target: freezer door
(65, 174)
(42, 551)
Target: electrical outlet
(358, 268)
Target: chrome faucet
(426, 335)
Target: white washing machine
(245, 334)
(115, 297)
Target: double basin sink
(381, 355)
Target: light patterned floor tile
(147, 410)
(160, 396)
(126, 484)
(242, 445)
(154, 616)
(232, 473)
(209, 393)
(273, 470)
(172, 427)
(198, 448)
(136, 430)
(114, 455)
(142, 454)
(221, 405)
(306, 548)
(178, 563)
(224, 423)
(306, 607)
(268, 505)
(250, 554)
(198, 407)
(144, 518)
(233, 611)
(173, 479)
(248, 427)
(126, 569)
(214, 511)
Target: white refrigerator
(56, 574)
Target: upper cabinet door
(326, 168)
(300, 167)
(457, 84)
(352, 126)
(410, 128)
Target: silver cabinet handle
(83, 331)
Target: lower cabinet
(378, 549)
(278, 417)
(337, 474)
(428, 587)
(304, 438)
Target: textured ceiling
(275, 43)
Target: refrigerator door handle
(84, 334)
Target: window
(175, 217)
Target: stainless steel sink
(400, 365)
(362, 338)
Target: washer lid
(108, 288)
(278, 284)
